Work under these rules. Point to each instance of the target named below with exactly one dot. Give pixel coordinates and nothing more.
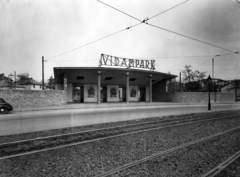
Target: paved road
(38, 119)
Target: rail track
(118, 151)
(24, 147)
(222, 168)
(212, 173)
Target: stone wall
(34, 98)
(196, 97)
(160, 95)
(201, 97)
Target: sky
(60, 29)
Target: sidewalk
(108, 105)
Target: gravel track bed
(97, 157)
(21, 147)
(25, 136)
(192, 161)
(233, 170)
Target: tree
(23, 77)
(199, 75)
(51, 83)
(189, 75)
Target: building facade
(97, 84)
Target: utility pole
(15, 80)
(42, 72)
(213, 68)
(180, 82)
(213, 65)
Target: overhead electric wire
(167, 10)
(93, 42)
(194, 56)
(71, 60)
(212, 58)
(119, 11)
(230, 69)
(190, 37)
(113, 33)
(146, 18)
(145, 21)
(202, 63)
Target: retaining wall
(160, 95)
(198, 97)
(202, 97)
(34, 98)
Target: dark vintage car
(5, 107)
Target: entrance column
(127, 88)
(65, 82)
(99, 88)
(150, 88)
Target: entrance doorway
(142, 94)
(103, 94)
(123, 94)
(77, 94)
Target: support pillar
(127, 88)
(65, 82)
(99, 88)
(150, 88)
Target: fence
(215, 85)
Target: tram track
(19, 148)
(120, 170)
(222, 168)
(96, 157)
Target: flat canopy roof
(109, 76)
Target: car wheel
(3, 110)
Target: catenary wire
(145, 21)
(196, 56)
(193, 56)
(167, 10)
(71, 60)
(119, 10)
(236, 68)
(190, 38)
(93, 41)
(146, 18)
(202, 63)
(110, 34)
(212, 58)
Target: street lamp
(213, 65)
(209, 102)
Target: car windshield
(2, 100)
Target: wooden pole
(15, 80)
(42, 72)
(213, 68)
(180, 82)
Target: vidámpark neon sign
(108, 60)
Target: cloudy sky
(30, 29)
